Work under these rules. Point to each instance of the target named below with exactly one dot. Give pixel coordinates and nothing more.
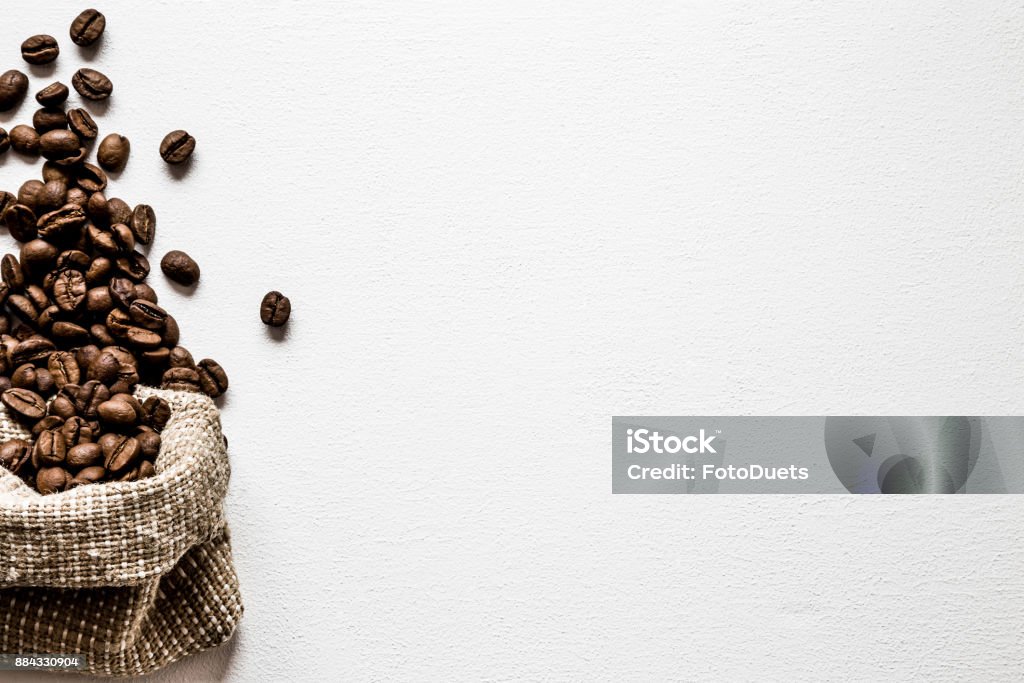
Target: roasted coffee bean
(32, 350)
(77, 196)
(44, 382)
(64, 368)
(53, 95)
(73, 259)
(87, 27)
(86, 355)
(104, 368)
(10, 269)
(23, 309)
(143, 223)
(141, 338)
(134, 266)
(69, 334)
(88, 399)
(171, 333)
(73, 160)
(56, 224)
(275, 309)
(25, 403)
(50, 449)
(92, 179)
(14, 453)
(62, 406)
(53, 196)
(21, 222)
(113, 240)
(92, 85)
(179, 266)
(37, 257)
(38, 296)
(155, 358)
(98, 300)
(119, 452)
(149, 444)
(113, 152)
(69, 290)
(7, 200)
(88, 475)
(58, 144)
(50, 118)
(181, 379)
(118, 413)
(82, 123)
(177, 147)
(47, 423)
(76, 431)
(122, 290)
(147, 314)
(181, 358)
(99, 271)
(24, 377)
(145, 292)
(13, 86)
(118, 211)
(28, 193)
(101, 335)
(41, 49)
(51, 480)
(212, 378)
(25, 140)
(156, 412)
(84, 455)
(146, 469)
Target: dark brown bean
(87, 27)
(53, 95)
(177, 147)
(25, 403)
(41, 49)
(92, 85)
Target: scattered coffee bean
(25, 139)
(49, 118)
(177, 147)
(13, 86)
(275, 309)
(212, 378)
(92, 85)
(179, 266)
(82, 123)
(41, 49)
(53, 95)
(144, 224)
(113, 152)
(24, 403)
(87, 27)
(51, 480)
(58, 144)
(14, 454)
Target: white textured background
(503, 223)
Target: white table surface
(502, 223)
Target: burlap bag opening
(133, 575)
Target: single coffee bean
(41, 49)
(50, 480)
(57, 224)
(122, 290)
(53, 95)
(39, 297)
(92, 85)
(13, 86)
(212, 378)
(73, 160)
(59, 144)
(99, 271)
(147, 314)
(149, 444)
(101, 335)
(88, 475)
(142, 338)
(7, 200)
(104, 369)
(25, 140)
(113, 152)
(44, 382)
(181, 358)
(77, 196)
(62, 406)
(88, 399)
(171, 332)
(25, 403)
(23, 309)
(52, 196)
(73, 259)
(117, 413)
(82, 123)
(50, 449)
(156, 412)
(21, 222)
(275, 309)
(118, 211)
(87, 27)
(92, 179)
(147, 469)
(37, 256)
(119, 451)
(5, 141)
(76, 431)
(113, 240)
(14, 453)
(179, 266)
(181, 379)
(49, 118)
(11, 271)
(64, 368)
(24, 377)
(143, 223)
(177, 147)
(98, 300)
(28, 193)
(47, 423)
(32, 350)
(134, 266)
(69, 334)
(84, 455)
(69, 290)
(145, 292)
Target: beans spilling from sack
(80, 327)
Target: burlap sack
(132, 575)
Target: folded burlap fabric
(134, 575)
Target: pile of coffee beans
(80, 328)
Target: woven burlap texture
(133, 575)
